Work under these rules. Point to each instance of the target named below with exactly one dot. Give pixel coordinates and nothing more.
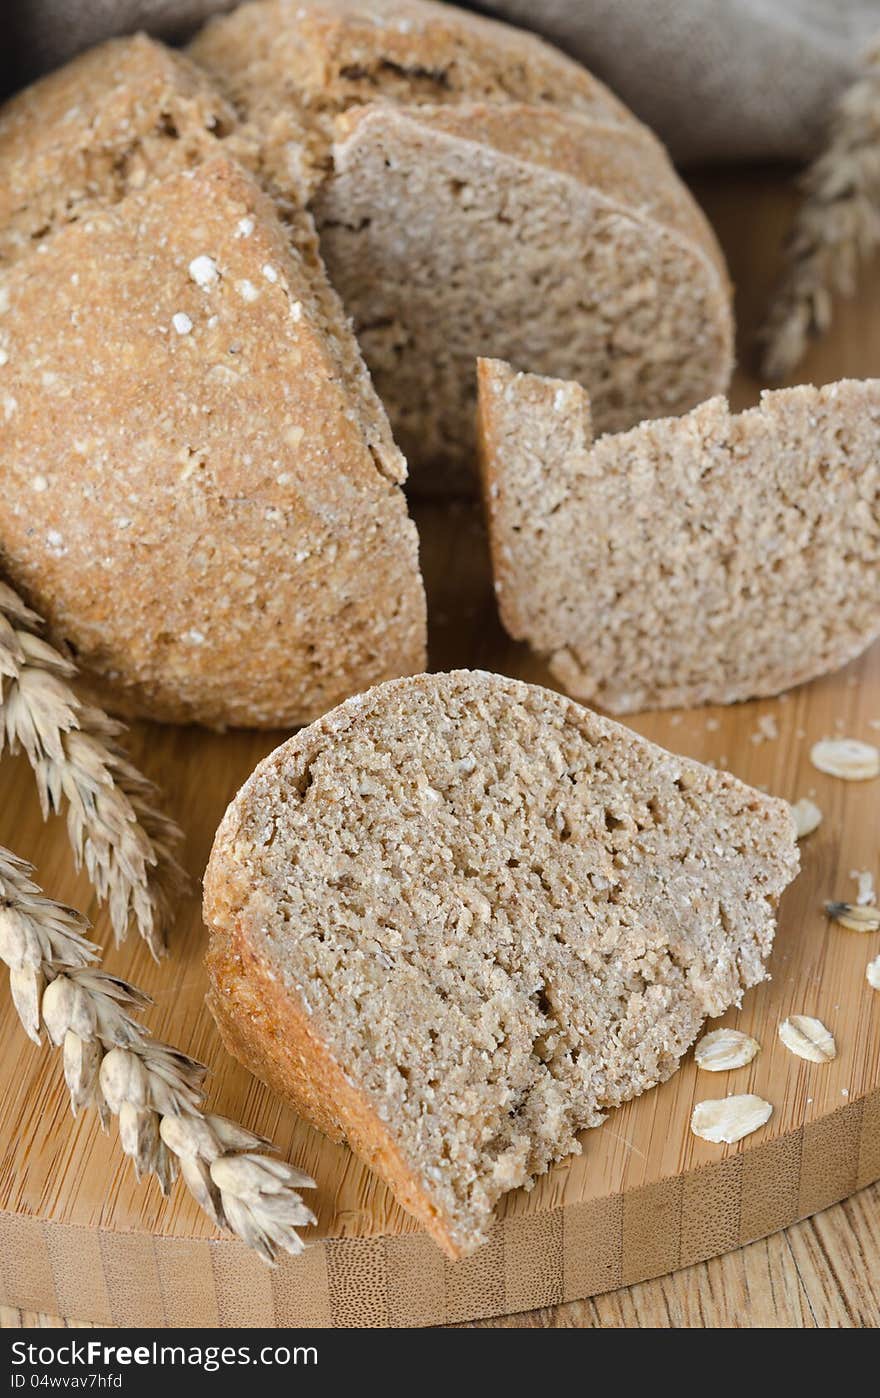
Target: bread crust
(119, 116)
(267, 1030)
(202, 491)
(339, 53)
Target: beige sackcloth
(717, 79)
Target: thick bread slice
(708, 558)
(460, 918)
(127, 112)
(477, 192)
(201, 490)
(527, 232)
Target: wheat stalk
(836, 228)
(155, 1091)
(115, 827)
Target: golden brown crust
(339, 53)
(265, 1029)
(200, 492)
(121, 115)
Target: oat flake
(808, 1038)
(726, 1120)
(855, 917)
(847, 758)
(807, 817)
(725, 1049)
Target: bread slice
(478, 193)
(460, 918)
(566, 242)
(702, 559)
(127, 112)
(201, 491)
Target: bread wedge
(701, 559)
(460, 918)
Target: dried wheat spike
(117, 831)
(836, 228)
(154, 1090)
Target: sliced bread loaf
(476, 192)
(201, 491)
(707, 558)
(460, 918)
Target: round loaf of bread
(460, 918)
(476, 192)
(201, 493)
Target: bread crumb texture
(460, 918)
(201, 491)
(704, 559)
(476, 192)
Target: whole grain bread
(201, 492)
(127, 112)
(707, 558)
(460, 918)
(477, 193)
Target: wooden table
(825, 1271)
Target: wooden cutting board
(79, 1237)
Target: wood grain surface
(822, 1273)
(645, 1196)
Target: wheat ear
(117, 831)
(836, 227)
(112, 1064)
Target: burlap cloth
(717, 79)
